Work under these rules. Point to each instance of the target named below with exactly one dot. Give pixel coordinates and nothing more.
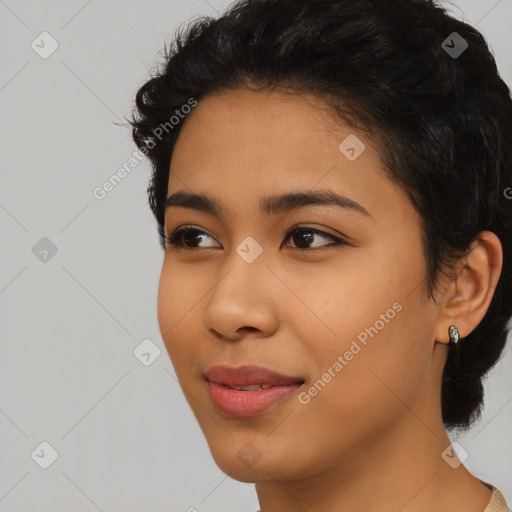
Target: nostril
(248, 328)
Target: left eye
(302, 237)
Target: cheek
(377, 327)
(355, 299)
(175, 307)
(179, 291)
(166, 303)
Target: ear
(467, 297)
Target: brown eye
(187, 238)
(303, 237)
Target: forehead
(261, 131)
(246, 116)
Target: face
(338, 303)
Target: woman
(330, 182)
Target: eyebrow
(271, 205)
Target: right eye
(181, 237)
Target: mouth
(256, 387)
(250, 378)
(249, 390)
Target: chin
(249, 464)
(238, 468)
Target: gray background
(125, 437)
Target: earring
(453, 332)
(454, 355)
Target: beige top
(497, 502)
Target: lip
(243, 404)
(248, 375)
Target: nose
(243, 301)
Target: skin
(372, 439)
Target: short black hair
(441, 122)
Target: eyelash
(175, 238)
